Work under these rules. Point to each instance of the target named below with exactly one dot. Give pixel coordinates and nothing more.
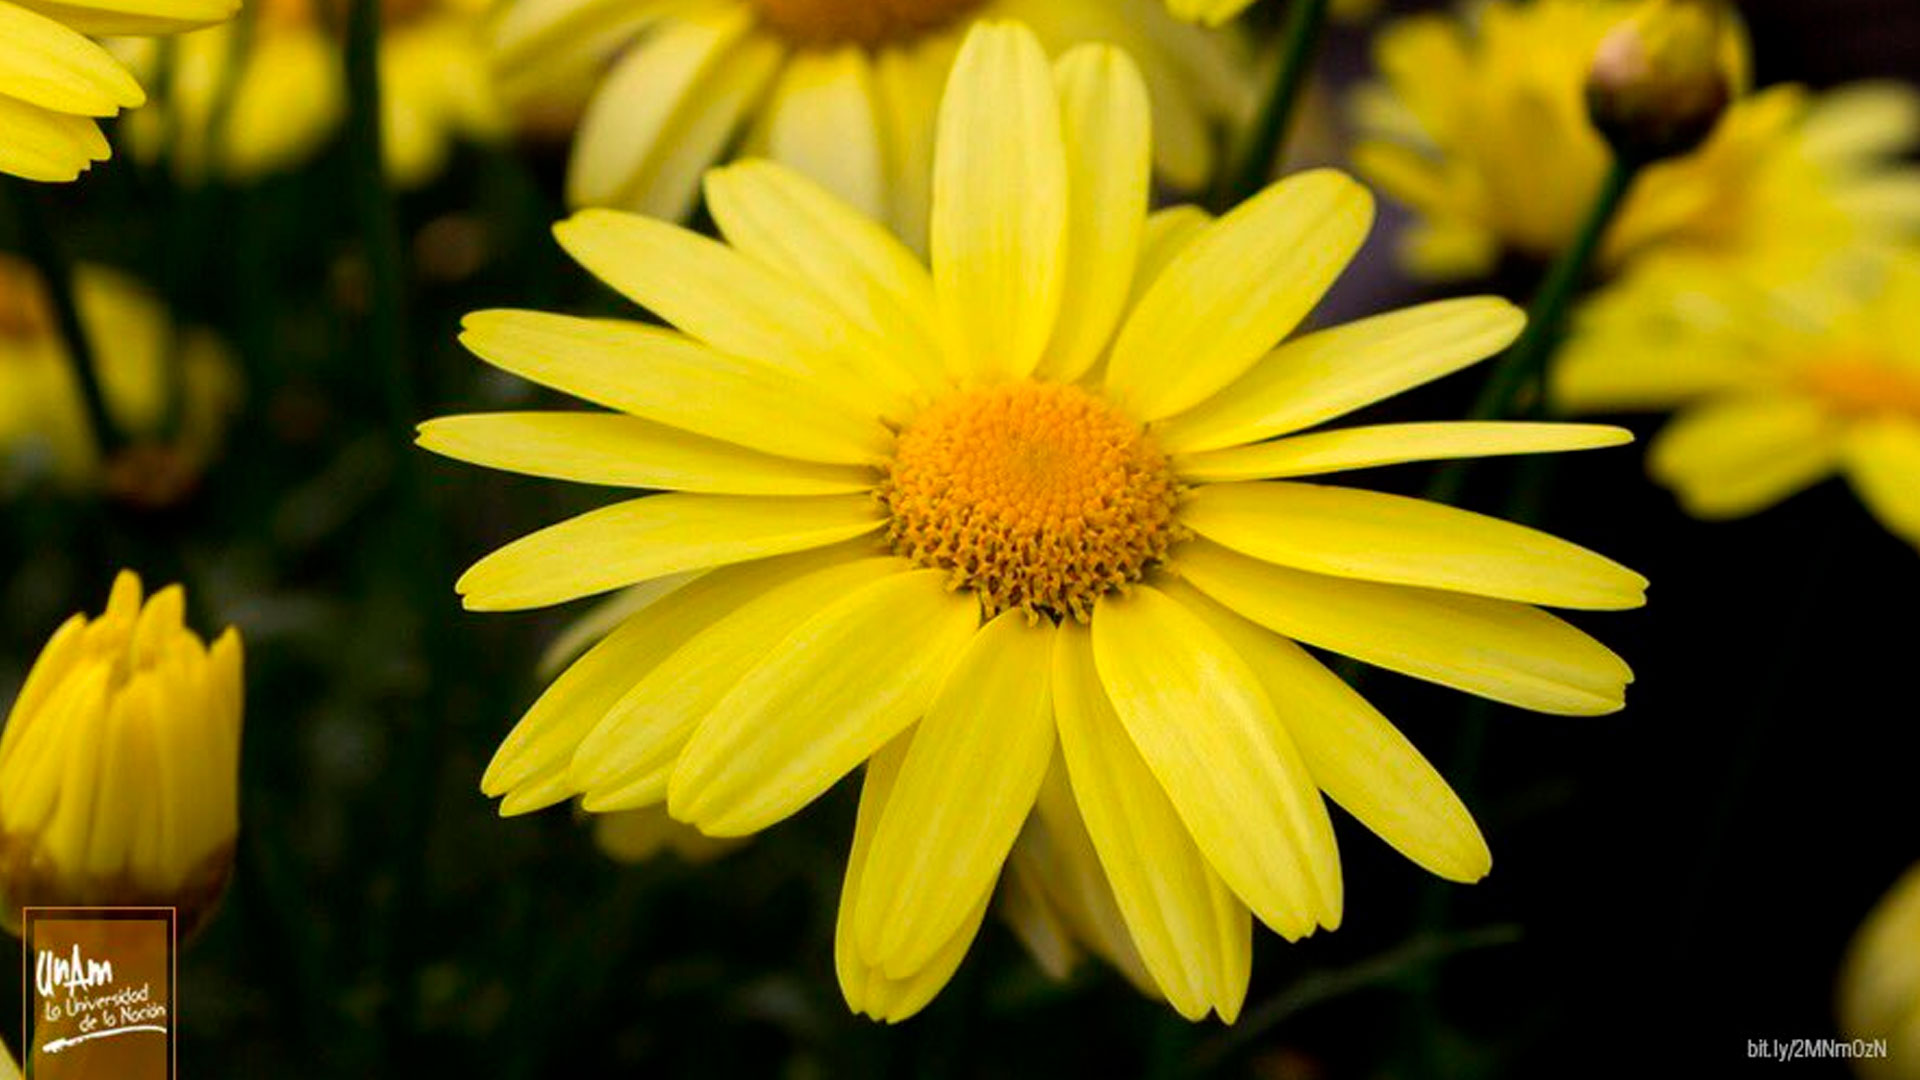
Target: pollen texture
(858, 22)
(1036, 496)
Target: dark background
(1669, 882)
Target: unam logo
(102, 984)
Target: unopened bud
(119, 766)
(1662, 78)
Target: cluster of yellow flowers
(966, 466)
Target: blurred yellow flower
(44, 430)
(1216, 12)
(1880, 984)
(266, 92)
(119, 766)
(1479, 125)
(1775, 389)
(8, 1070)
(842, 90)
(945, 521)
(55, 81)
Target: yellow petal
(820, 121)
(1197, 81)
(1032, 916)
(641, 733)
(50, 669)
(1167, 233)
(1355, 755)
(539, 43)
(1000, 202)
(1734, 456)
(1333, 372)
(656, 535)
(666, 110)
(1242, 285)
(600, 619)
(670, 379)
(1055, 851)
(47, 146)
(1183, 919)
(1883, 463)
(44, 63)
(1374, 536)
(1207, 731)
(833, 692)
(792, 224)
(625, 451)
(1634, 368)
(543, 742)
(1390, 444)
(1407, 175)
(910, 80)
(1861, 122)
(963, 792)
(1209, 12)
(867, 989)
(114, 18)
(1495, 648)
(1107, 125)
(735, 304)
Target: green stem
(57, 272)
(408, 803)
(1521, 367)
(1267, 140)
(373, 207)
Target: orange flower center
(1036, 496)
(1860, 386)
(826, 23)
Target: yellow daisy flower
(843, 90)
(1479, 125)
(1880, 984)
(120, 763)
(1775, 389)
(55, 81)
(265, 94)
(44, 429)
(944, 521)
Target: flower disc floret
(1036, 496)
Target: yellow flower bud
(1880, 985)
(1662, 78)
(119, 765)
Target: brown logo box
(99, 993)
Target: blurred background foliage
(1668, 882)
